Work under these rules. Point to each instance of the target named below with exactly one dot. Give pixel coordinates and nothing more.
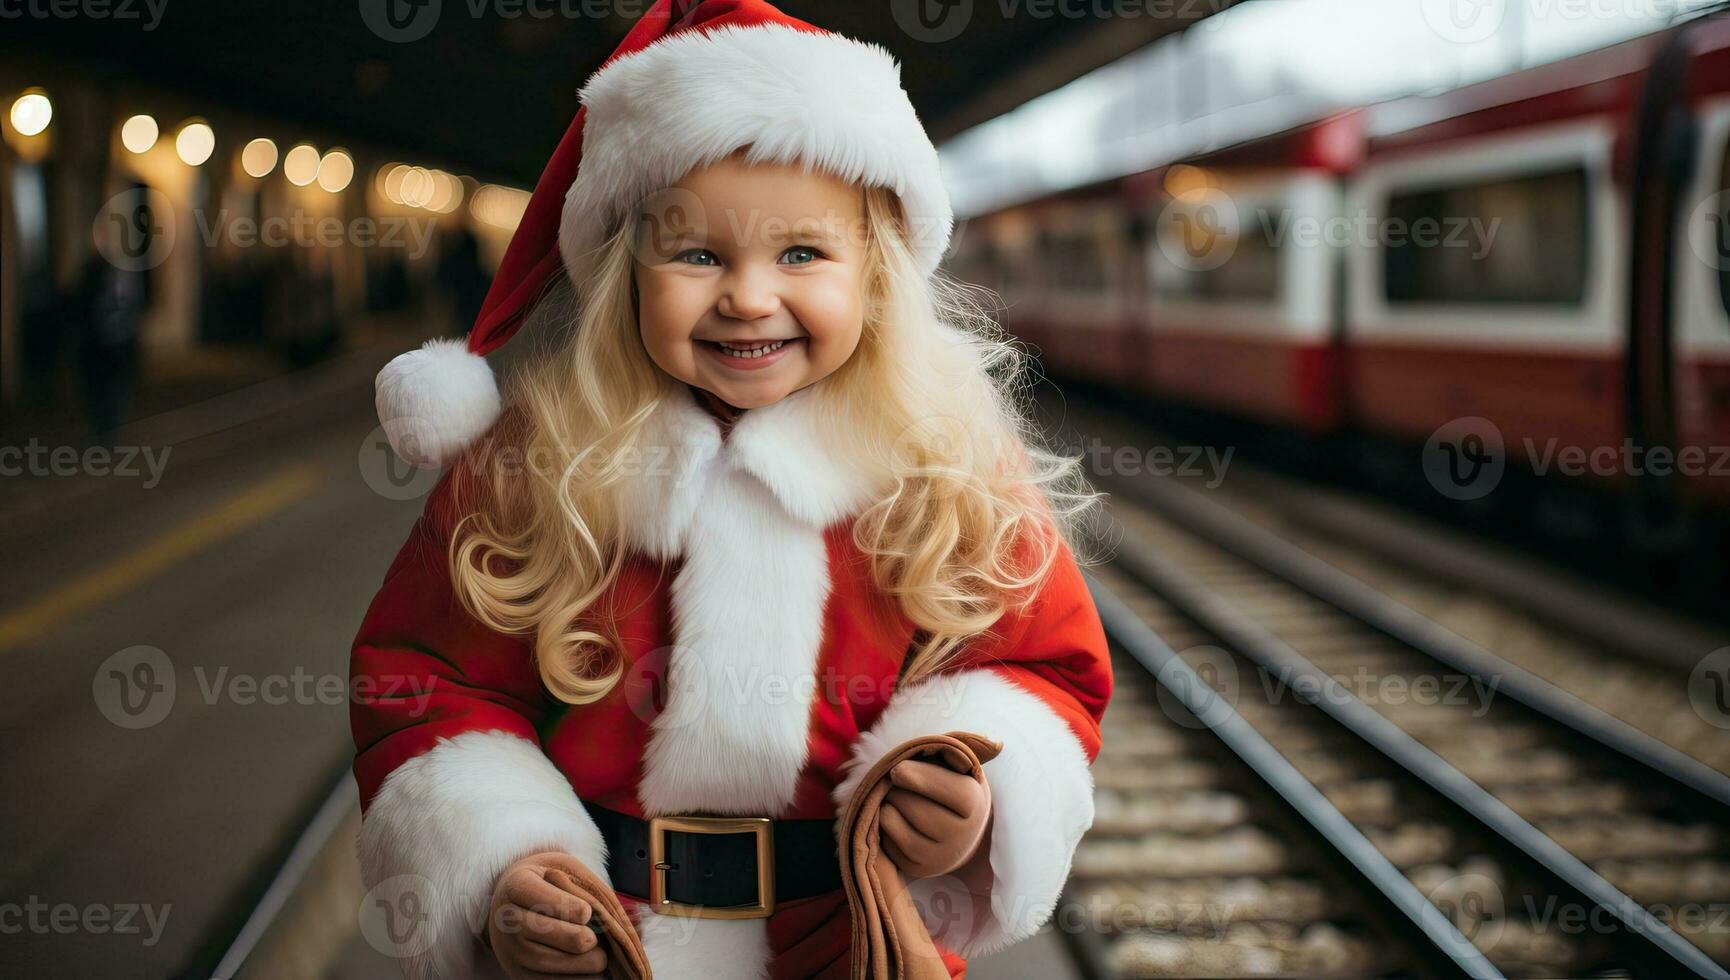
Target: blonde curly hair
(935, 397)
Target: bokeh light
(32, 112)
(335, 170)
(258, 159)
(195, 143)
(501, 207)
(300, 166)
(139, 133)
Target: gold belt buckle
(763, 827)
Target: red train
(1544, 257)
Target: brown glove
(552, 915)
(936, 815)
(890, 939)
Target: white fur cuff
(443, 826)
(1041, 790)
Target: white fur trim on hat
(792, 95)
(435, 401)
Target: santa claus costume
(742, 574)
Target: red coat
(762, 667)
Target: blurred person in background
(107, 304)
(461, 273)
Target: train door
(1694, 325)
(1661, 159)
(1137, 293)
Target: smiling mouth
(751, 350)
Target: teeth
(750, 352)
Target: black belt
(713, 864)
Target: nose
(746, 294)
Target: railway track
(1555, 840)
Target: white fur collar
(786, 446)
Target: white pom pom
(435, 401)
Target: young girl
(762, 509)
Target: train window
(1250, 272)
(1722, 234)
(1506, 241)
(1077, 264)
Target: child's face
(735, 260)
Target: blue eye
(688, 255)
(803, 250)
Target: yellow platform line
(249, 507)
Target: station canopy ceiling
(492, 84)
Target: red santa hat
(692, 82)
